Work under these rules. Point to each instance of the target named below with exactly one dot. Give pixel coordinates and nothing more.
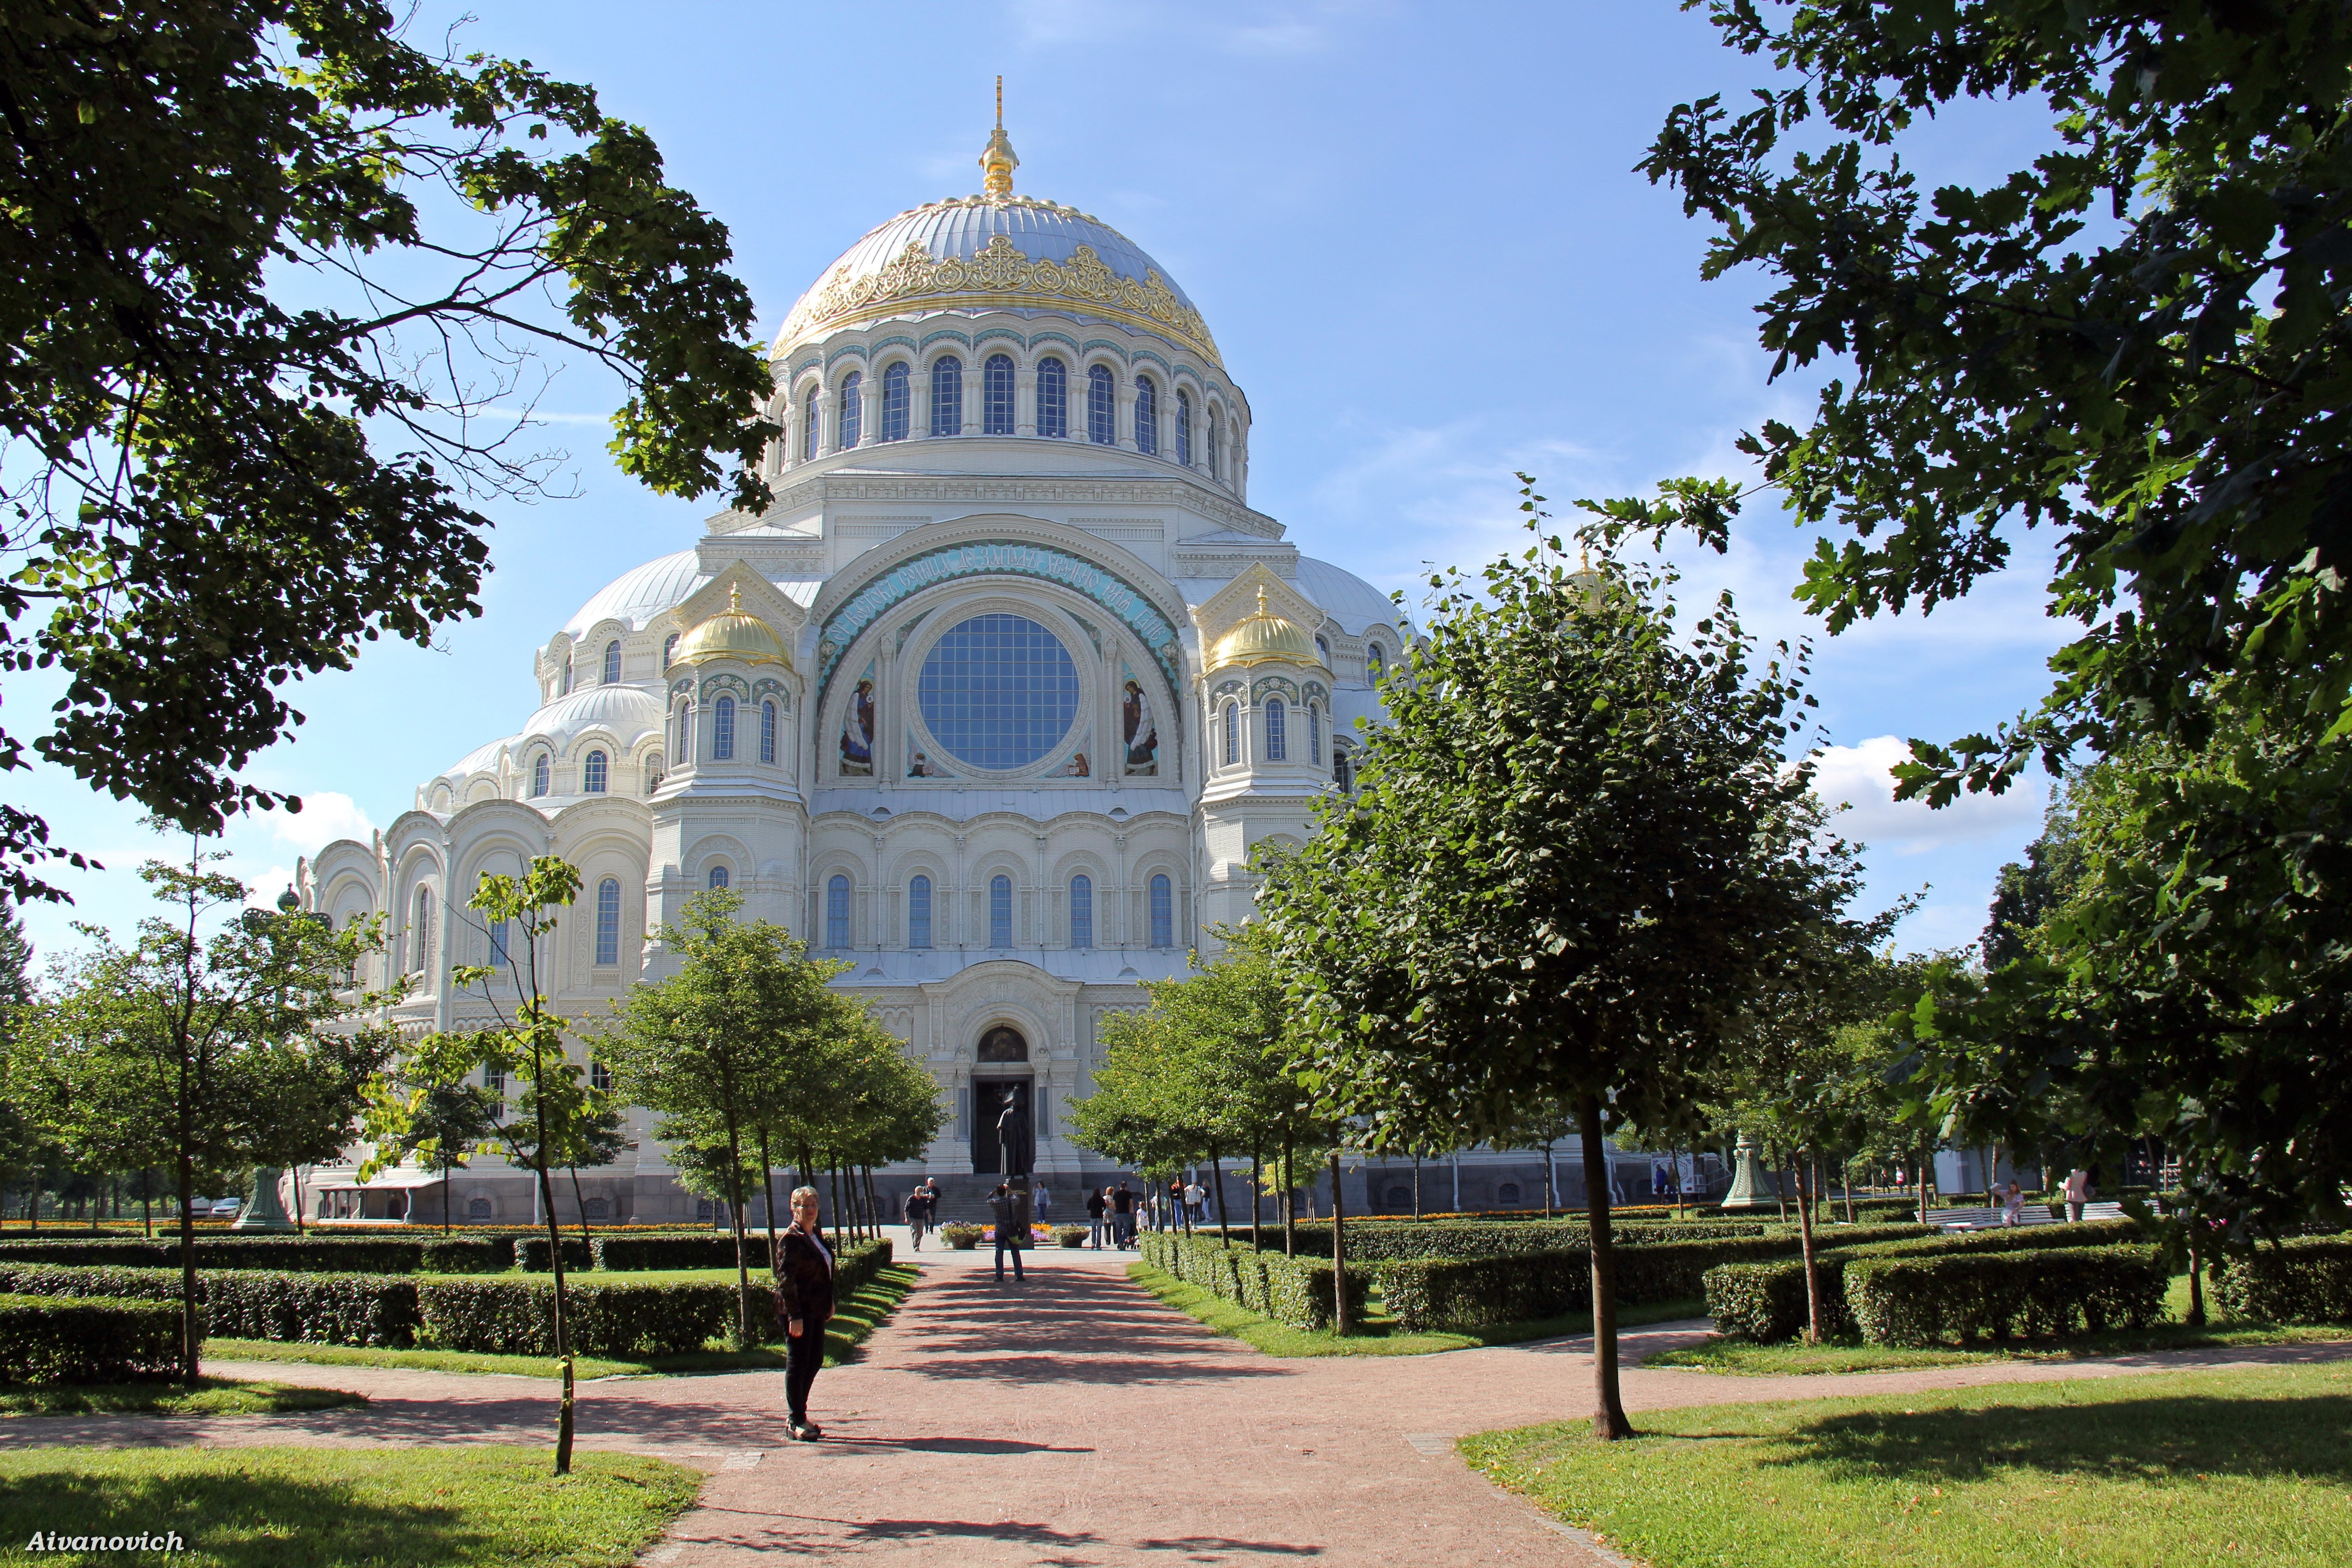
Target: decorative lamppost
(1746, 1177)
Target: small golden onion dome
(733, 633)
(1265, 639)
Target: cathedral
(996, 701)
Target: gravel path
(1074, 1421)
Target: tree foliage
(1578, 853)
(273, 282)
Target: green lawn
(350, 1507)
(212, 1396)
(2244, 1466)
(1378, 1334)
(853, 1323)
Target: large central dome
(997, 250)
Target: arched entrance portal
(1004, 1127)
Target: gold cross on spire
(997, 160)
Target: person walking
(2078, 1193)
(805, 1301)
(1012, 1229)
(1097, 1204)
(1178, 1214)
(1122, 1211)
(1192, 1200)
(917, 1217)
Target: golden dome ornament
(1265, 639)
(733, 633)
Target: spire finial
(1261, 598)
(735, 598)
(997, 160)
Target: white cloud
(1860, 778)
(325, 817)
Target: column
(1025, 402)
(870, 403)
(1123, 413)
(828, 422)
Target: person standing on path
(918, 1215)
(1097, 1204)
(805, 1301)
(2078, 1193)
(1041, 1200)
(1177, 1212)
(1122, 1222)
(1192, 1200)
(1012, 1229)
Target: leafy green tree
(273, 281)
(2027, 891)
(441, 1127)
(525, 1044)
(1577, 854)
(173, 1050)
(714, 1044)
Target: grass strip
(211, 1396)
(853, 1322)
(351, 1507)
(1742, 1358)
(1378, 1334)
(2182, 1469)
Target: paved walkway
(1073, 1421)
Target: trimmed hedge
(1767, 1301)
(701, 1250)
(2050, 1294)
(466, 1255)
(1374, 1240)
(1294, 1290)
(297, 1307)
(325, 1255)
(516, 1316)
(2304, 1279)
(530, 1255)
(86, 1339)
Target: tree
(443, 1126)
(171, 1051)
(557, 1104)
(2025, 892)
(1576, 854)
(248, 425)
(715, 1043)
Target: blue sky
(1416, 234)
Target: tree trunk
(1805, 1236)
(743, 1340)
(578, 1201)
(1921, 1172)
(1780, 1189)
(147, 1202)
(1846, 1165)
(1257, 1203)
(191, 1341)
(833, 1180)
(768, 1184)
(1416, 1186)
(1609, 1422)
(444, 1200)
(1339, 1253)
(2196, 1281)
(1551, 1179)
(1289, 1202)
(565, 1418)
(1217, 1180)
(298, 1202)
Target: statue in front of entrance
(1013, 1137)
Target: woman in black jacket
(805, 1301)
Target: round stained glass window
(998, 692)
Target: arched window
(565, 689)
(608, 921)
(768, 732)
(808, 423)
(654, 773)
(947, 396)
(1315, 735)
(1163, 912)
(497, 942)
(683, 744)
(420, 928)
(837, 913)
(480, 1209)
(1214, 471)
(1343, 772)
(669, 647)
(1052, 397)
(1232, 733)
(896, 400)
(996, 396)
(1323, 646)
(1101, 424)
(1277, 743)
(592, 774)
(613, 663)
(851, 420)
(1147, 415)
(718, 876)
(1376, 662)
(539, 775)
(919, 912)
(1000, 912)
(1184, 427)
(722, 729)
(1082, 911)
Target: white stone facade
(1074, 818)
